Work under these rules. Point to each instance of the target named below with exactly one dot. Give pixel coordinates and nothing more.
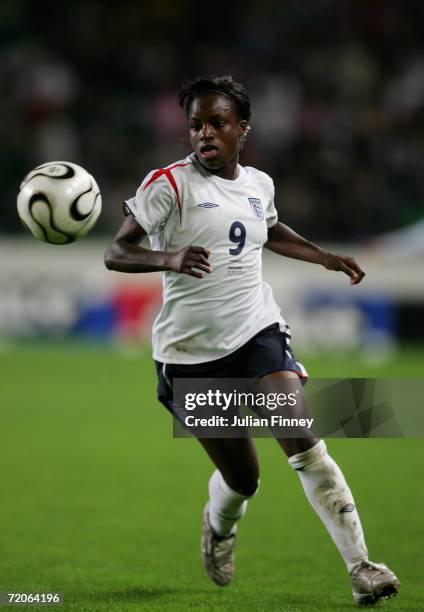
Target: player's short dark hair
(223, 85)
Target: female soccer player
(208, 218)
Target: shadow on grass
(137, 594)
(204, 598)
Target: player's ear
(244, 127)
(244, 130)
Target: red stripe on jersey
(167, 172)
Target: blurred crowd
(337, 89)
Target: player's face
(215, 132)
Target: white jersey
(203, 319)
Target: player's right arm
(125, 254)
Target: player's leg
(328, 493)
(322, 480)
(237, 460)
(237, 471)
(234, 481)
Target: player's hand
(341, 263)
(192, 260)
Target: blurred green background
(101, 503)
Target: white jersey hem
(254, 331)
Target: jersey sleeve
(271, 214)
(152, 203)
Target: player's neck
(229, 172)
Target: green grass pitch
(98, 501)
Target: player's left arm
(285, 241)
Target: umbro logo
(347, 508)
(208, 205)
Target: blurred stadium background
(338, 115)
(338, 121)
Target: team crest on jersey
(256, 207)
(208, 205)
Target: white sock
(226, 506)
(330, 496)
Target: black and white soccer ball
(59, 202)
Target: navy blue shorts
(269, 351)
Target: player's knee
(247, 486)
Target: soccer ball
(59, 202)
